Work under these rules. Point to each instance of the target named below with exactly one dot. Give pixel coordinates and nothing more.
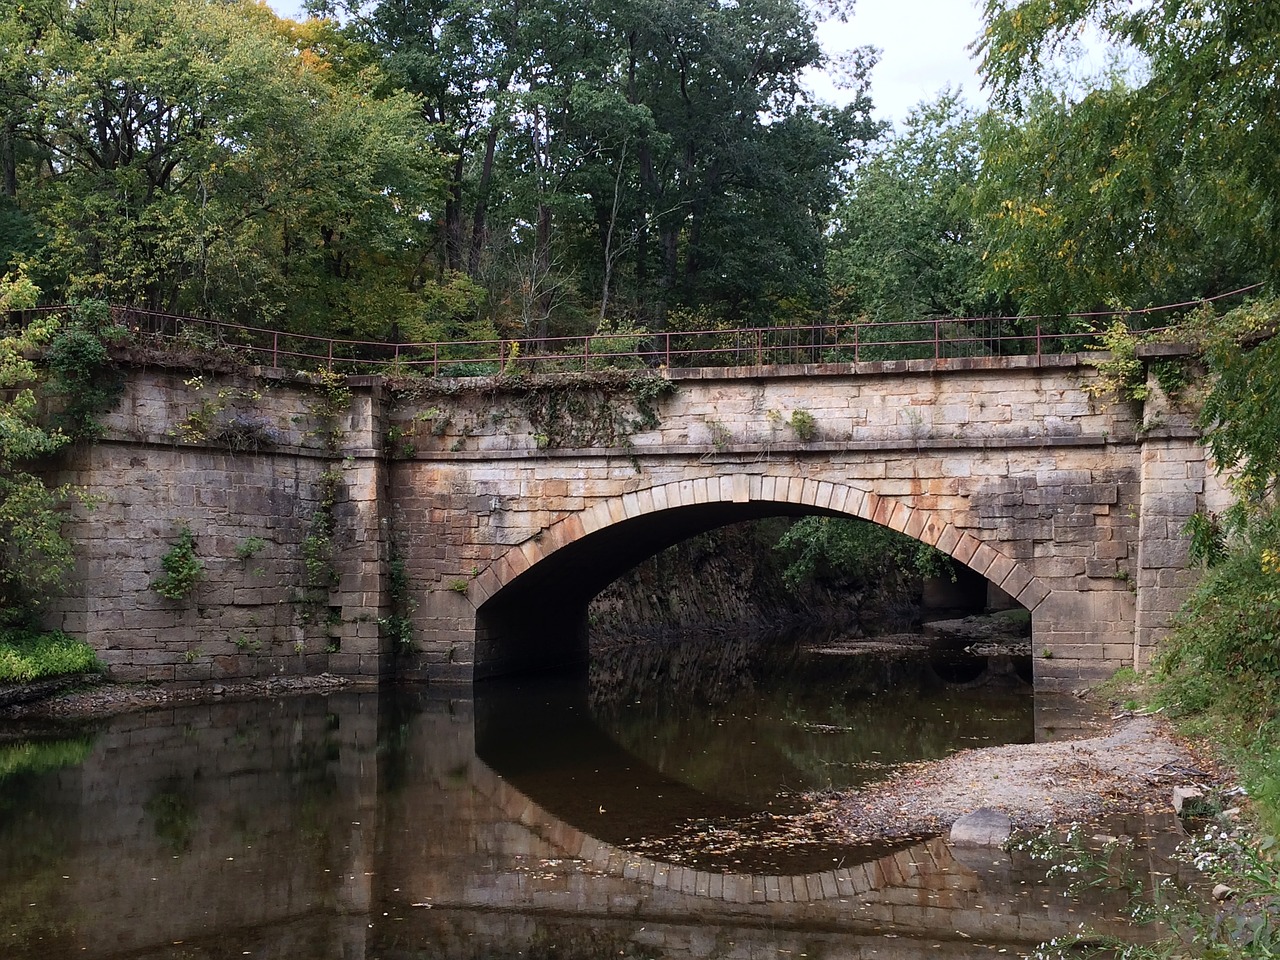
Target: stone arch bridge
(478, 518)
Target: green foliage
(1241, 411)
(1145, 185)
(287, 180)
(41, 756)
(34, 555)
(836, 549)
(27, 654)
(633, 157)
(1245, 928)
(804, 425)
(398, 625)
(1221, 667)
(81, 371)
(1120, 373)
(590, 410)
(1208, 541)
(229, 417)
(904, 241)
(182, 568)
(249, 548)
(612, 339)
(318, 548)
(334, 398)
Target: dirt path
(1138, 761)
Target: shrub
(181, 568)
(27, 654)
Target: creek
(615, 814)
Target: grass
(27, 655)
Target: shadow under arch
(532, 602)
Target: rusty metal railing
(854, 342)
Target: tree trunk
(479, 227)
(8, 158)
(453, 218)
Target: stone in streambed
(983, 827)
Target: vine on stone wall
(333, 400)
(228, 417)
(81, 370)
(397, 626)
(320, 575)
(598, 409)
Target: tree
(207, 157)
(905, 244)
(1151, 185)
(628, 157)
(34, 555)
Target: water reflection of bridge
(322, 828)
(519, 863)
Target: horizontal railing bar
(747, 346)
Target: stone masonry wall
(1014, 469)
(1070, 503)
(242, 463)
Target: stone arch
(808, 495)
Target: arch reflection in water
(361, 826)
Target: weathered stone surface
(983, 827)
(1181, 795)
(1008, 465)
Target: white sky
(922, 43)
(922, 50)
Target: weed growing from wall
(320, 575)
(228, 417)
(397, 626)
(804, 425)
(590, 410)
(182, 568)
(333, 398)
(1120, 373)
(574, 410)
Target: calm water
(533, 820)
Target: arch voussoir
(824, 495)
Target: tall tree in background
(627, 158)
(905, 242)
(1155, 185)
(207, 157)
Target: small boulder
(1182, 794)
(1222, 892)
(983, 827)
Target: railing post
(666, 339)
(857, 340)
(502, 357)
(586, 352)
(937, 339)
(1037, 339)
(275, 348)
(331, 355)
(759, 348)
(435, 359)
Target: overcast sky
(922, 45)
(922, 49)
